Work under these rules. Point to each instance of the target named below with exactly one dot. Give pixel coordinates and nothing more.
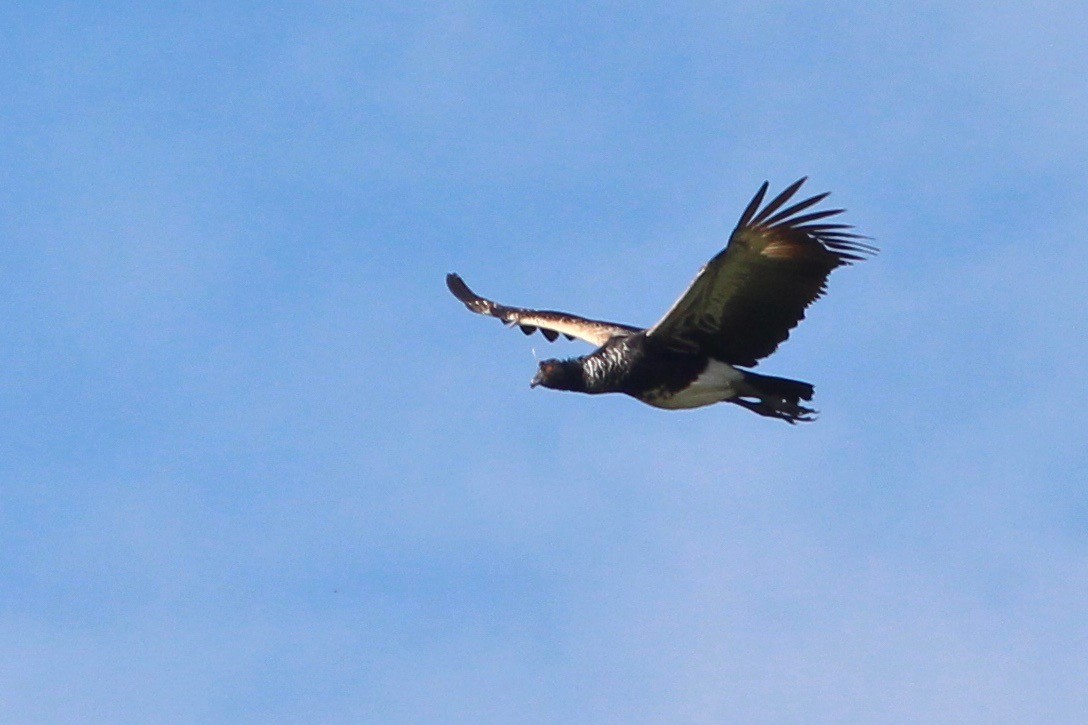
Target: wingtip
(471, 300)
(776, 203)
(457, 286)
(753, 205)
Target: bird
(739, 308)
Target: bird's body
(667, 378)
(742, 304)
(715, 382)
(663, 378)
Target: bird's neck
(604, 370)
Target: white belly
(716, 383)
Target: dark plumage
(743, 303)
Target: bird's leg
(778, 408)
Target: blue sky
(257, 464)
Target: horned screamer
(737, 311)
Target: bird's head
(559, 375)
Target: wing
(745, 301)
(551, 324)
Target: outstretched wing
(745, 301)
(551, 324)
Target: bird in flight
(739, 308)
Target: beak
(537, 379)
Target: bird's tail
(776, 397)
